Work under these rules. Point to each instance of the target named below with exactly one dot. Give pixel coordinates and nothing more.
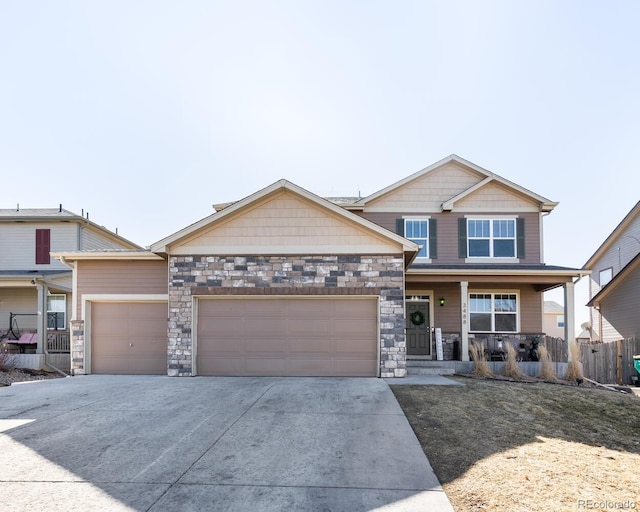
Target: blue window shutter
(462, 237)
(433, 239)
(400, 227)
(520, 237)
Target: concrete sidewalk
(161, 443)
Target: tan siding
(283, 221)
(495, 196)
(121, 277)
(447, 317)
(448, 233)
(18, 300)
(430, 190)
(550, 325)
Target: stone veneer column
(191, 276)
(77, 347)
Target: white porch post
(41, 321)
(464, 321)
(569, 314)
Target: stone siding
(191, 276)
(77, 347)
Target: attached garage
(287, 336)
(129, 338)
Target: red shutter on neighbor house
(43, 246)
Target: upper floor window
(560, 321)
(422, 231)
(417, 230)
(493, 312)
(56, 311)
(43, 246)
(606, 275)
(491, 238)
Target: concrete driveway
(162, 443)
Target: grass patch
(498, 445)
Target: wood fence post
(619, 361)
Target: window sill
(492, 260)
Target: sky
(146, 113)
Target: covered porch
(34, 327)
(492, 306)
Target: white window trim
(610, 269)
(405, 218)
(491, 259)
(493, 293)
(66, 319)
(558, 322)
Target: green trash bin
(636, 363)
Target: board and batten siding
(18, 243)
(119, 278)
(448, 232)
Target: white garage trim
(88, 298)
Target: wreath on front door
(417, 318)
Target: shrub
(574, 370)
(546, 370)
(7, 361)
(480, 366)
(511, 368)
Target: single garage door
(129, 338)
(287, 337)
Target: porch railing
(58, 342)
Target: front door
(418, 329)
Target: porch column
(569, 314)
(41, 319)
(464, 321)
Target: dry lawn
(512, 446)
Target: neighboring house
(285, 282)
(553, 324)
(35, 289)
(614, 287)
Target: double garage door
(287, 336)
(243, 336)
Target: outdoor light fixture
(442, 301)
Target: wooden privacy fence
(610, 363)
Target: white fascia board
(106, 255)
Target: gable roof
(489, 177)
(618, 279)
(61, 215)
(408, 248)
(615, 234)
(551, 306)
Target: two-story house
(553, 323)
(614, 286)
(35, 289)
(284, 282)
